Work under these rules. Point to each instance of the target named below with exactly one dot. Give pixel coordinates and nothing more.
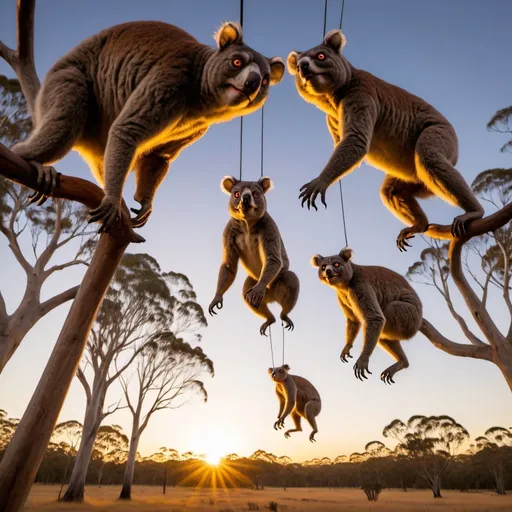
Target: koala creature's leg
(311, 411)
(400, 198)
(296, 421)
(285, 291)
(61, 114)
(394, 348)
(150, 171)
(263, 310)
(435, 157)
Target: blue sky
(454, 55)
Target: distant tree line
(431, 453)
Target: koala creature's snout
(246, 198)
(304, 66)
(253, 82)
(328, 272)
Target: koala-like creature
(296, 396)
(134, 96)
(253, 237)
(389, 128)
(377, 298)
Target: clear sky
(454, 55)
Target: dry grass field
(42, 498)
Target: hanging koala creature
(391, 129)
(296, 396)
(380, 299)
(253, 237)
(135, 95)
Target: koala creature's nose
(304, 66)
(246, 199)
(253, 82)
(328, 272)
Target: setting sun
(213, 459)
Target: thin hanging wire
(261, 157)
(241, 117)
(271, 347)
(339, 182)
(282, 325)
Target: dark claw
(322, 197)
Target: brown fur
(388, 127)
(135, 95)
(253, 237)
(377, 298)
(298, 397)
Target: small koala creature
(135, 95)
(253, 237)
(380, 299)
(390, 129)
(296, 396)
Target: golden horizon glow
(213, 459)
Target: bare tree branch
(81, 377)
(455, 349)
(58, 300)
(8, 55)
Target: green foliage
(15, 122)
(501, 122)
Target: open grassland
(235, 500)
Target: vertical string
(271, 348)
(261, 156)
(241, 117)
(282, 325)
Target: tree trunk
(12, 336)
(503, 359)
(92, 421)
(100, 473)
(23, 456)
(436, 486)
(165, 480)
(126, 491)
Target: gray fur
(389, 128)
(377, 298)
(135, 95)
(252, 237)
(298, 397)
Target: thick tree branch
(455, 349)
(85, 192)
(474, 228)
(57, 300)
(3, 312)
(475, 306)
(8, 55)
(81, 377)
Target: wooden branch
(474, 304)
(455, 349)
(8, 55)
(474, 228)
(14, 168)
(81, 377)
(58, 300)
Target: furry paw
(265, 326)
(345, 354)
(143, 213)
(109, 212)
(459, 223)
(279, 424)
(312, 437)
(287, 323)
(387, 376)
(47, 178)
(217, 302)
(310, 191)
(361, 368)
(254, 296)
(403, 236)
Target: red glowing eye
(264, 81)
(255, 194)
(320, 56)
(237, 194)
(336, 264)
(237, 63)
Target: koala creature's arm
(333, 129)
(291, 397)
(155, 104)
(365, 300)
(270, 252)
(282, 402)
(352, 327)
(359, 118)
(228, 268)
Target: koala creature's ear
(286, 367)
(291, 63)
(227, 183)
(229, 33)
(346, 254)
(276, 70)
(335, 39)
(316, 259)
(270, 370)
(266, 184)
